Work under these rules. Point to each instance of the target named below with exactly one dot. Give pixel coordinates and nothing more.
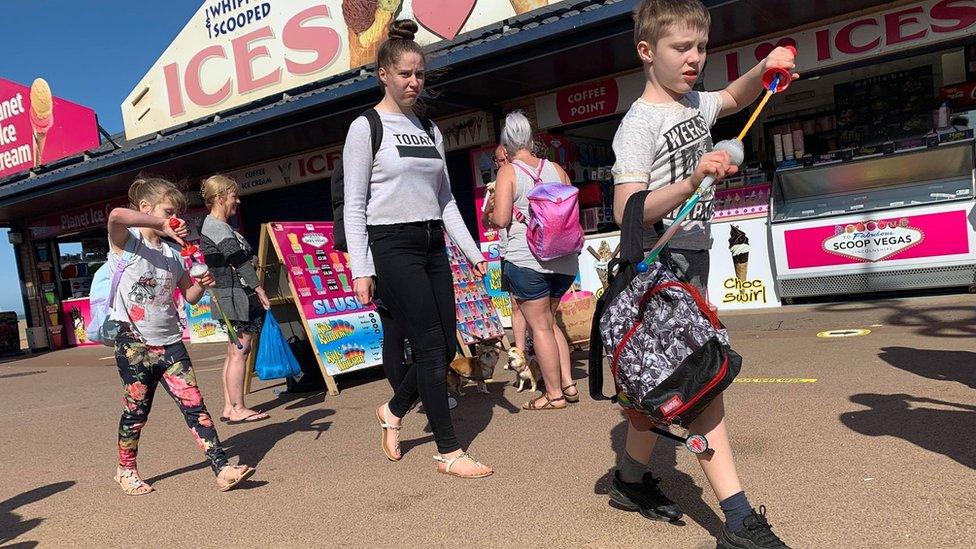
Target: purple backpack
(553, 226)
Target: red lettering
(732, 66)
(964, 16)
(895, 21)
(844, 40)
(174, 91)
(244, 57)
(321, 40)
(194, 87)
(823, 44)
(317, 164)
(764, 49)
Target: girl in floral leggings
(149, 347)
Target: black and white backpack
(669, 354)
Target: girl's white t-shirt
(145, 295)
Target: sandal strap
(391, 427)
(450, 462)
(571, 385)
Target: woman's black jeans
(416, 285)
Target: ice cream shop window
(78, 259)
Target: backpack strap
(428, 125)
(536, 180)
(375, 129)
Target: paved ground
(878, 452)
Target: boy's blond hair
(653, 18)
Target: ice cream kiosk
(894, 221)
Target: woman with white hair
(536, 285)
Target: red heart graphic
(445, 18)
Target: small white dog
(526, 369)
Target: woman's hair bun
(403, 29)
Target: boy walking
(663, 144)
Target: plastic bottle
(787, 143)
(777, 145)
(797, 132)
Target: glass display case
(877, 183)
(902, 220)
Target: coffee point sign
(233, 52)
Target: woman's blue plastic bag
(275, 359)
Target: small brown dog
(526, 369)
(479, 368)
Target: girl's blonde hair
(216, 187)
(154, 190)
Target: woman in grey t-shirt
(398, 203)
(231, 260)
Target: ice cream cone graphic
(368, 22)
(523, 6)
(41, 116)
(739, 247)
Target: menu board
(346, 334)
(477, 317)
(885, 107)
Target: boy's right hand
(716, 164)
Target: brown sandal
(232, 475)
(571, 399)
(450, 463)
(381, 418)
(549, 405)
(131, 483)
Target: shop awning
(571, 42)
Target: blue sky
(93, 52)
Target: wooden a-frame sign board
(269, 254)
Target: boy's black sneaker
(644, 497)
(756, 533)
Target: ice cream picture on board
(368, 22)
(739, 248)
(41, 116)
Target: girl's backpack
(104, 285)
(553, 226)
(669, 354)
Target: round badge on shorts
(697, 444)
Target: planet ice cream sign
(37, 128)
(873, 241)
(233, 52)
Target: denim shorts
(527, 285)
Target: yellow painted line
(844, 333)
(774, 380)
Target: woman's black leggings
(415, 283)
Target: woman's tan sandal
(393, 455)
(131, 483)
(572, 399)
(232, 475)
(549, 405)
(449, 464)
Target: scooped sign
(874, 240)
(232, 52)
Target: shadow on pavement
(941, 431)
(253, 445)
(13, 525)
(676, 484)
(22, 374)
(934, 364)
(927, 321)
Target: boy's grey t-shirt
(144, 297)
(658, 144)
